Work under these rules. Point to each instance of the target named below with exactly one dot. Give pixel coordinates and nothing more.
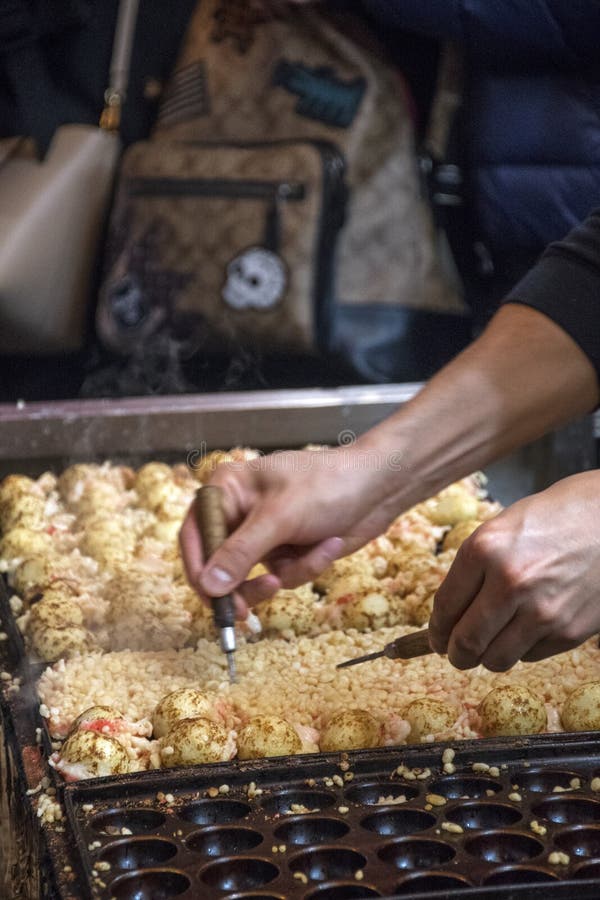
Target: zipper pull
(272, 235)
(285, 191)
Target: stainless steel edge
(88, 429)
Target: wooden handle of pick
(210, 517)
(410, 645)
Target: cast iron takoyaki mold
(158, 835)
(337, 826)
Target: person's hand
(296, 512)
(525, 585)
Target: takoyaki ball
(151, 474)
(51, 643)
(56, 609)
(97, 498)
(24, 543)
(350, 729)
(14, 486)
(166, 499)
(358, 566)
(92, 755)
(264, 736)
(35, 574)
(512, 709)
(428, 716)
(187, 703)
(12, 489)
(72, 482)
(205, 465)
(108, 540)
(456, 503)
(355, 584)
(581, 709)
(288, 610)
(368, 612)
(27, 511)
(94, 714)
(196, 741)
(165, 530)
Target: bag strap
(441, 166)
(442, 177)
(22, 57)
(120, 63)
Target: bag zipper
(234, 188)
(273, 192)
(331, 217)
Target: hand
(525, 584)
(294, 511)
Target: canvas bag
(280, 182)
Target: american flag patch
(186, 96)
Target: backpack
(277, 204)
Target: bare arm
(521, 378)
(297, 511)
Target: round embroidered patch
(256, 279)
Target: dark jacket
(532, 115)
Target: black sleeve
(565, 285)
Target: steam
(167, 364)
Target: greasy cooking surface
(93, 554)
(350, 826)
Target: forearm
(521, 378)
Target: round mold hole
(158, 884)
(519, 875)
(138, 821)
(587, 870)
(328, 863)
(214, 812)
(304, 801)
(454, 787)
(223, 841)
(432, 881)
(343, 891)
(417, 853)
(374, 793)
(255, 896)
(483, 815)
(303, 830)
(543, 780)
(504, 846)
(398, 822)
(138, 853)
(235, 873)
(568, 810)
(583, 840)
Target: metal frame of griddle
(39, 435)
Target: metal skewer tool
(406, 647)
(210, 517)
